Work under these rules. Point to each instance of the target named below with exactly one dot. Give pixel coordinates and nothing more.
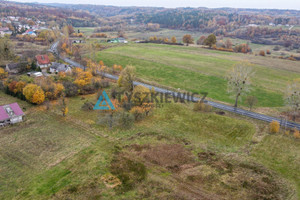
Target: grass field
(197, 70)
(168, 33)
(48, 156)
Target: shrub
(287, 133)
(276, 48)
(140, 95)
(200, 106)
(104, 84)
(126, 120)
(274, 127)
(251, 101)
(292, 58)
(71, 89)
(243, 48)
(296, 134)
(128, 171)
(87, 106)
(137, 112)
(109, 120)
(262, 53)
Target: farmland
(196, 69)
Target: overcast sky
(278, 4)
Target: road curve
(220, 106)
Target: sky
(270, 4)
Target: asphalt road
(232, 109)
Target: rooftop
(9, 111)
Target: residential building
(10, 114)
(58, 67)
(43, 61)
(15, 68)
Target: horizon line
(253, 8)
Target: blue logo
(104, 103)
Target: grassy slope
(52, 155)
(29, 148)
(196, 70)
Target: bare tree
(251, 101)
(239, 80)
(228, 44)
(293, 97)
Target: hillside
(41, 160)
(121, 103)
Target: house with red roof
(43, 61)
(10, 114)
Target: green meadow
(201, 70)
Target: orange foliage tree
(34, 94)
(173, 39)
(188, 39)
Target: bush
(287, 133)
(138, 113)
(276, 48)
(262, 53)
(87, 106)
(126, 120)
(104, 84)
(200, 106)
(274, 127)
(121, 119)
(109, 120)
(243, 48)
(71, 89)
(128, 171)
(296, 134)
(140, 95)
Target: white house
(43, 61)
(10, 114)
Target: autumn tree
(3, 74)
(140, 95)
(293, 98)
(239, 80)
(63, 106)
(210, 40)
(228, 44)
(19, 86)
(6, 50)
(201, 40)
(126, 78)
(34, 94)
(83, 78)
(38, 96)
(188, 39)
(173, 40)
